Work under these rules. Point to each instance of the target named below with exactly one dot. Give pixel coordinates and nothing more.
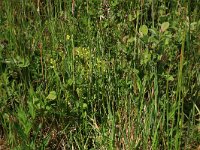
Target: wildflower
(67, 37)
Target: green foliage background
(100, 74)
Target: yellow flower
(67, 37)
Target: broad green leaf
(166, 41)
(22, 62)
(131, 40)
(84, 106)
(153, 31)
(52, 95)
(70, 82)
(143, 30)
(164, 26)
(170, 78)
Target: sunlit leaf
(52, 95)
(143, 30)
(164, 26)
(84, 106)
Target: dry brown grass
(123, 127)
(3, 145)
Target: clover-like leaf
(164, 26)
(52, 95)
(143, 30)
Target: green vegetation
(118, 74)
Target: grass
(99, 74)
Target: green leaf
(21, 115)
(31, 110)
(84, 106)
(70, 82)
(170, 78)
(143, 30)
(153, 31)
(131, 40)
(52, 95)
(164, 26)
(22, 62)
